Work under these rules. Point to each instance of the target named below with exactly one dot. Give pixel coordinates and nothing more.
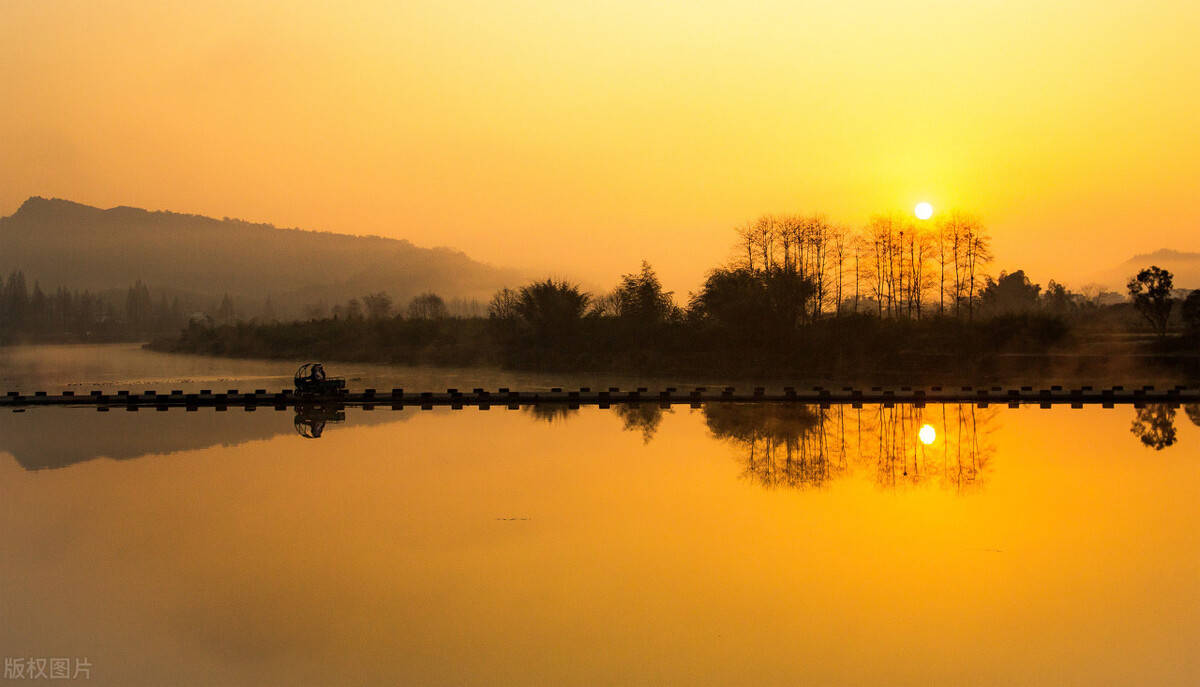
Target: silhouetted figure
(311, 378)
(310, 420)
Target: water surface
(729, 544)
(112, 367)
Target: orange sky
(590, 135)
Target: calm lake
(723, 545)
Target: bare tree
(787, 238)
(838, 239)
(817, 231)
(859, 243)
(942, 255)
(503, 305)
(745, 234)
(964, 239)
(763, 236)
(920, 251)
(978, 254)
(881, 232)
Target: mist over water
(111, 367)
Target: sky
(578, 138)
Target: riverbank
(861, 351)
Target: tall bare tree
(838, 239)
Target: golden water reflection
(806, 446)
(464, 547)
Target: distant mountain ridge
(63, 243)
(1184, 265)
(1166, 254)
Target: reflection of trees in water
(806, 446)
(550, 412)
(1154, 425)
(641, 417)
(962, 427)
(783, 443)
(802, 445)
(636, 417)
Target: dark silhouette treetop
(1154, 426)
(551, 308)
(1009, 293)
(640, 297)
(1151, 294)
(427, 306)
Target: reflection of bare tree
(962, 425)
(803, 446)
(1154, 425)
(955, 456)
(550, 412)
(641, 417)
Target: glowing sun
(924, 211)
(927, 434)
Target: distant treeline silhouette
(803, 295)
(31, 314)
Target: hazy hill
(1184, 265)
(34, 439)
(62, 243)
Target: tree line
(801, 293)
(30, 313)
(895, 266)
(897, 297)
